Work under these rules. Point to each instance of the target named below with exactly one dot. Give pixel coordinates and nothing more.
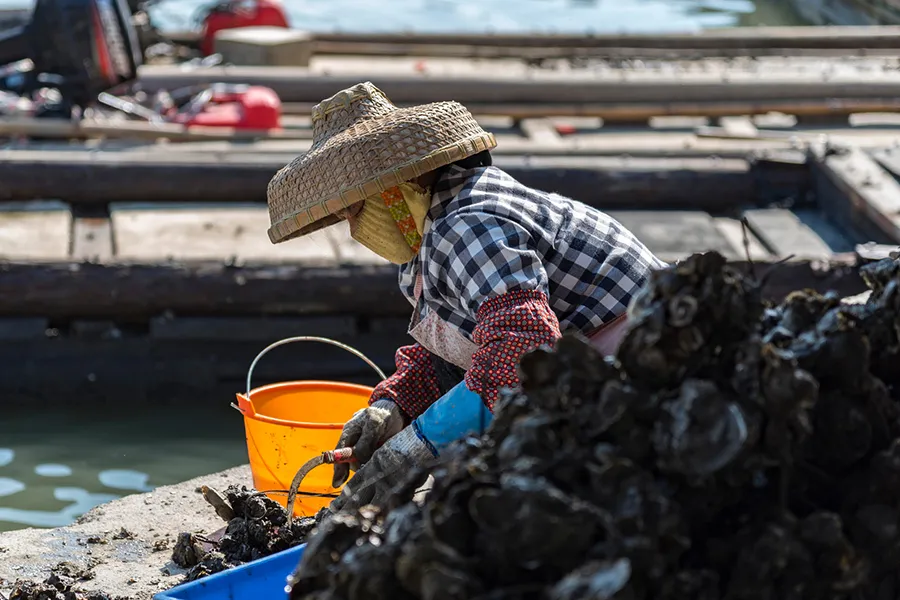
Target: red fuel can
(255, 107)
(232, 14)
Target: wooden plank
(607, 141)
(785, 235)
(548, 87)
(739, 126)
(853, 189)
(476, 51)
(236, 234)
(35, 231)
(677, 233)
(248, 329)
(91, 236)
(835, 235)
(169, 373)
(69, 290)
(24, 328)
(633, 111)
(94, 329)
(80, 130)
(101, 177)
(736, 234)
(847, 38)
(307, 360)
(542, 131)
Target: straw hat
(362, 145)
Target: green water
(55, 465)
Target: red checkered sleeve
(413, 386)
(508, 326)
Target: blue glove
(454, 415)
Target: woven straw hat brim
(365, 159)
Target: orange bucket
(287, 424)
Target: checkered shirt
(491, 235)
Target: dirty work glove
(365, 432)
(388, 467)
(456, 414)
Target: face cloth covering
(392, 223)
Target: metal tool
(329, 457)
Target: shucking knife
(329, 457)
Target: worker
(492, 269)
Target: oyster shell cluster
(731, 450)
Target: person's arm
(487, 267)
(509, 326)
(393, 404)
(413, 386)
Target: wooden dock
(134, 258)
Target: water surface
(569, 16)
(56, 465)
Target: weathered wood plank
(630, 112)
(742, 238)
(785, 235)
(25, 328)
(35, 231)
(169, 372)
(68, 290)
(475, 51)
(608, 182)
(847, 38)
(303, 85)
(677, 233)
(739, 126)
(542, 131)
(91, 236)
(208, 233)
(254, 329)
(853, 189)
(74, 130)
(836, 238)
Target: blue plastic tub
(263, 578)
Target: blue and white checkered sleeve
(477, 256)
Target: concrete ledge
(135, 563)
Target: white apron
(437, 336)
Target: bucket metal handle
(307, 338)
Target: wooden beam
(846, 38)
(547, 87)
(632, 111)
(91, 238)
(134, 176)
(169, 373)
(854, 189)
(785, 234)
(24, 328)
(71, 289)
(36, 230)
(249, 329)
(476, 51)
(135, 130)
(68, 290)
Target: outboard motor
(80, 47)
